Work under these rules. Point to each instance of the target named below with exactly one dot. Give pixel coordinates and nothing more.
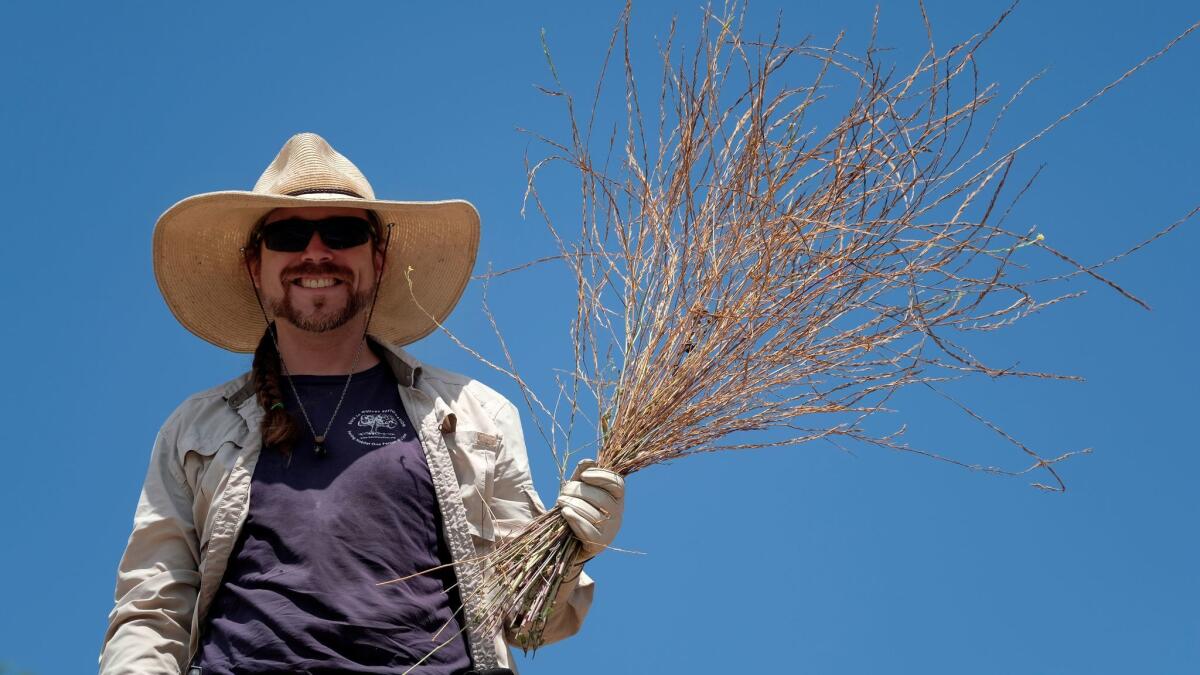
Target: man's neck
(328, 353)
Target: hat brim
(201, 273)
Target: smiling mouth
(316, 282)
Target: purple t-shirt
(300, 593)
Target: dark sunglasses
(293, 234)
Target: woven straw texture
(200, 271)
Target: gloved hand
(592, 503)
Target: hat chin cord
(319, 439)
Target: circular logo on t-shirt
(376, 427)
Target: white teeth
(316, 283)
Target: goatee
(318, 321)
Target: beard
(319, 319)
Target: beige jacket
(197, 492)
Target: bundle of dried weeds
(744, 267)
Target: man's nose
(317, 251)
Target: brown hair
(279, 430)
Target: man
(277, 504)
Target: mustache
(314, 269)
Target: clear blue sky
(805, 560)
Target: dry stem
(742, 267)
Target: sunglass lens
(288, 236)
(344, 231)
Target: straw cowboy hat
(201, 272)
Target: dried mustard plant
(751, 274)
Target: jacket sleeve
(516, 504)
(158, 578)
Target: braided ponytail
(278, 427)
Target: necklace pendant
(319, 445)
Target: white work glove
(592, 503)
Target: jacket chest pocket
(207, 470)
(473, 454)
